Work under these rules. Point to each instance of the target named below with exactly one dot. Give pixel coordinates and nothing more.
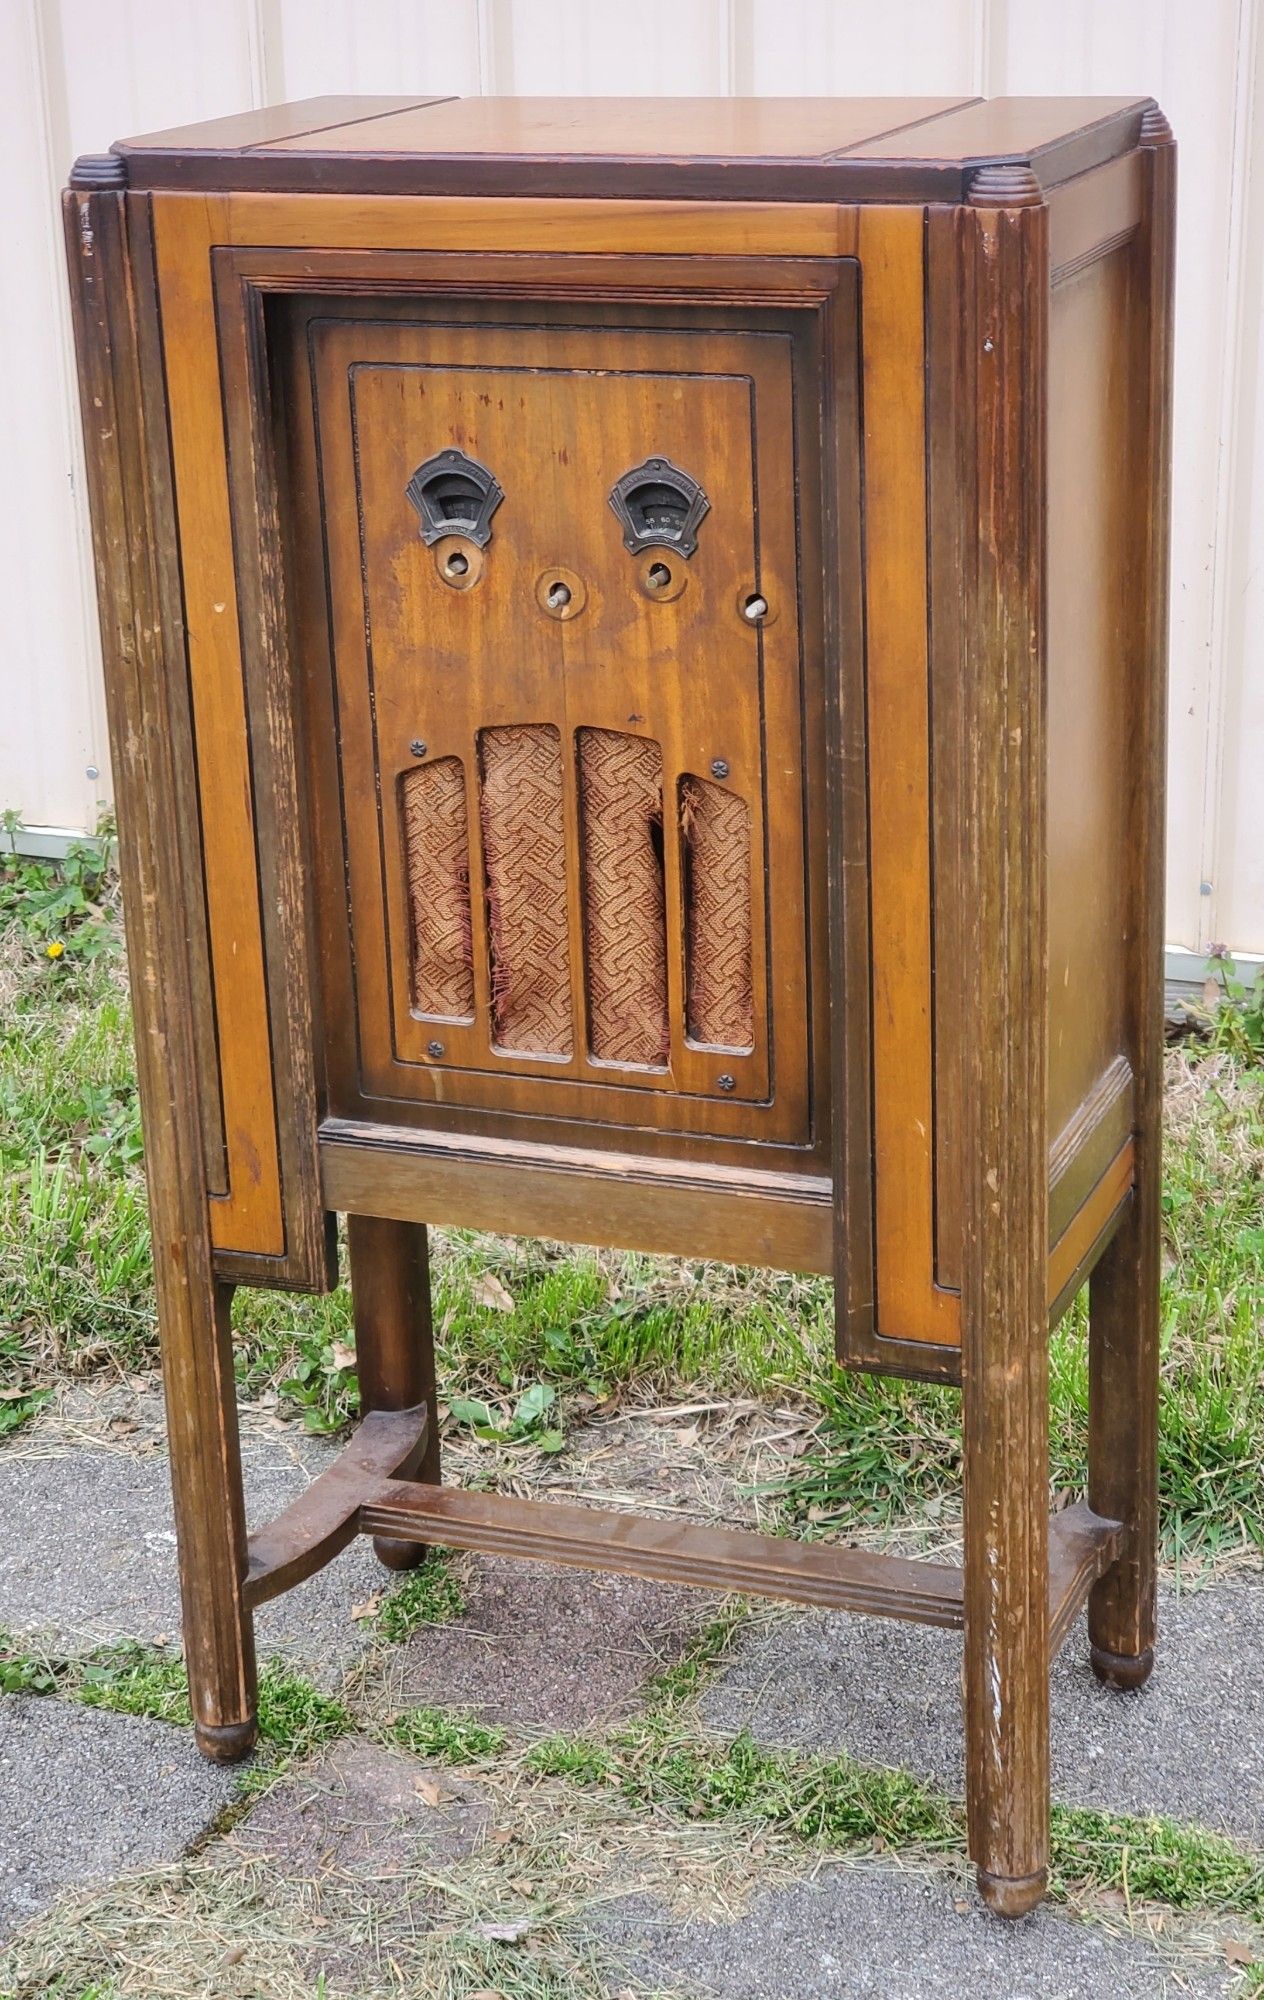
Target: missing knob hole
(658, 576)
(755, 608)
(456, 564)
(559, 596)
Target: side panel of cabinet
(1096, 650)
(268, 1224)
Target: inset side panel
(249, 1216)
(914, 1325)
(1096, 542)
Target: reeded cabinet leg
(1006, 1629)
(1123, 1430)
(146, 729)
(210, 1512)
(1004, 1098)
(390, 1292)
(1124, 1289)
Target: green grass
(135, 1679)
(530, 1335)
(660, 1763)
(448, 1735)
(889, 1449)
(839, 1806)
(431, 1594)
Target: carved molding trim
(1155, 130)
(99, 171)
(1115, 1082)
(1004, 184)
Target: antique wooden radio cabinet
(636, 641)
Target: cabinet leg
(1123, 1430)
(1006, 1632)
(210, 1512)
(390, 1292)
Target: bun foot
(399, 1555)
(1122, 1670)
(226, 1742)
(1012, 1895)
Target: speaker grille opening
(524, 854)
(437, 868)
(625, 945)
(719, 988)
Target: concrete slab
(93, 1554)
(1191, 1744)
(85, 1795)
(871, 1929)
(546, 1648)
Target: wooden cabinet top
(818, 148)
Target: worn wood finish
(395, 1364)
(248, 1217)
(671, 1552)
(281, 813)
(1070, 1255)
(823, 150)
(1124, 1291)
(145, 730)
(909, 1304)
(470, 225)
(1004, 1058)
(372, 1486)
(919, 361)
(388, 1444)
(569, 408)
(1082, 1547)
(535, 1189)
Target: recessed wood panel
(638, 796)
(1094, 649)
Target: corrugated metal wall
(75, 76)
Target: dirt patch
(545, 1648)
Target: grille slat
(437, 867)
(621, 811)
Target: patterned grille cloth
(437, 859)
(621, 809)
(715, 825)
(524, 849)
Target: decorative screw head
(434, 1049)
(719, 767)
(417, 747)
(727, 1082)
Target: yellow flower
(56, 948)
